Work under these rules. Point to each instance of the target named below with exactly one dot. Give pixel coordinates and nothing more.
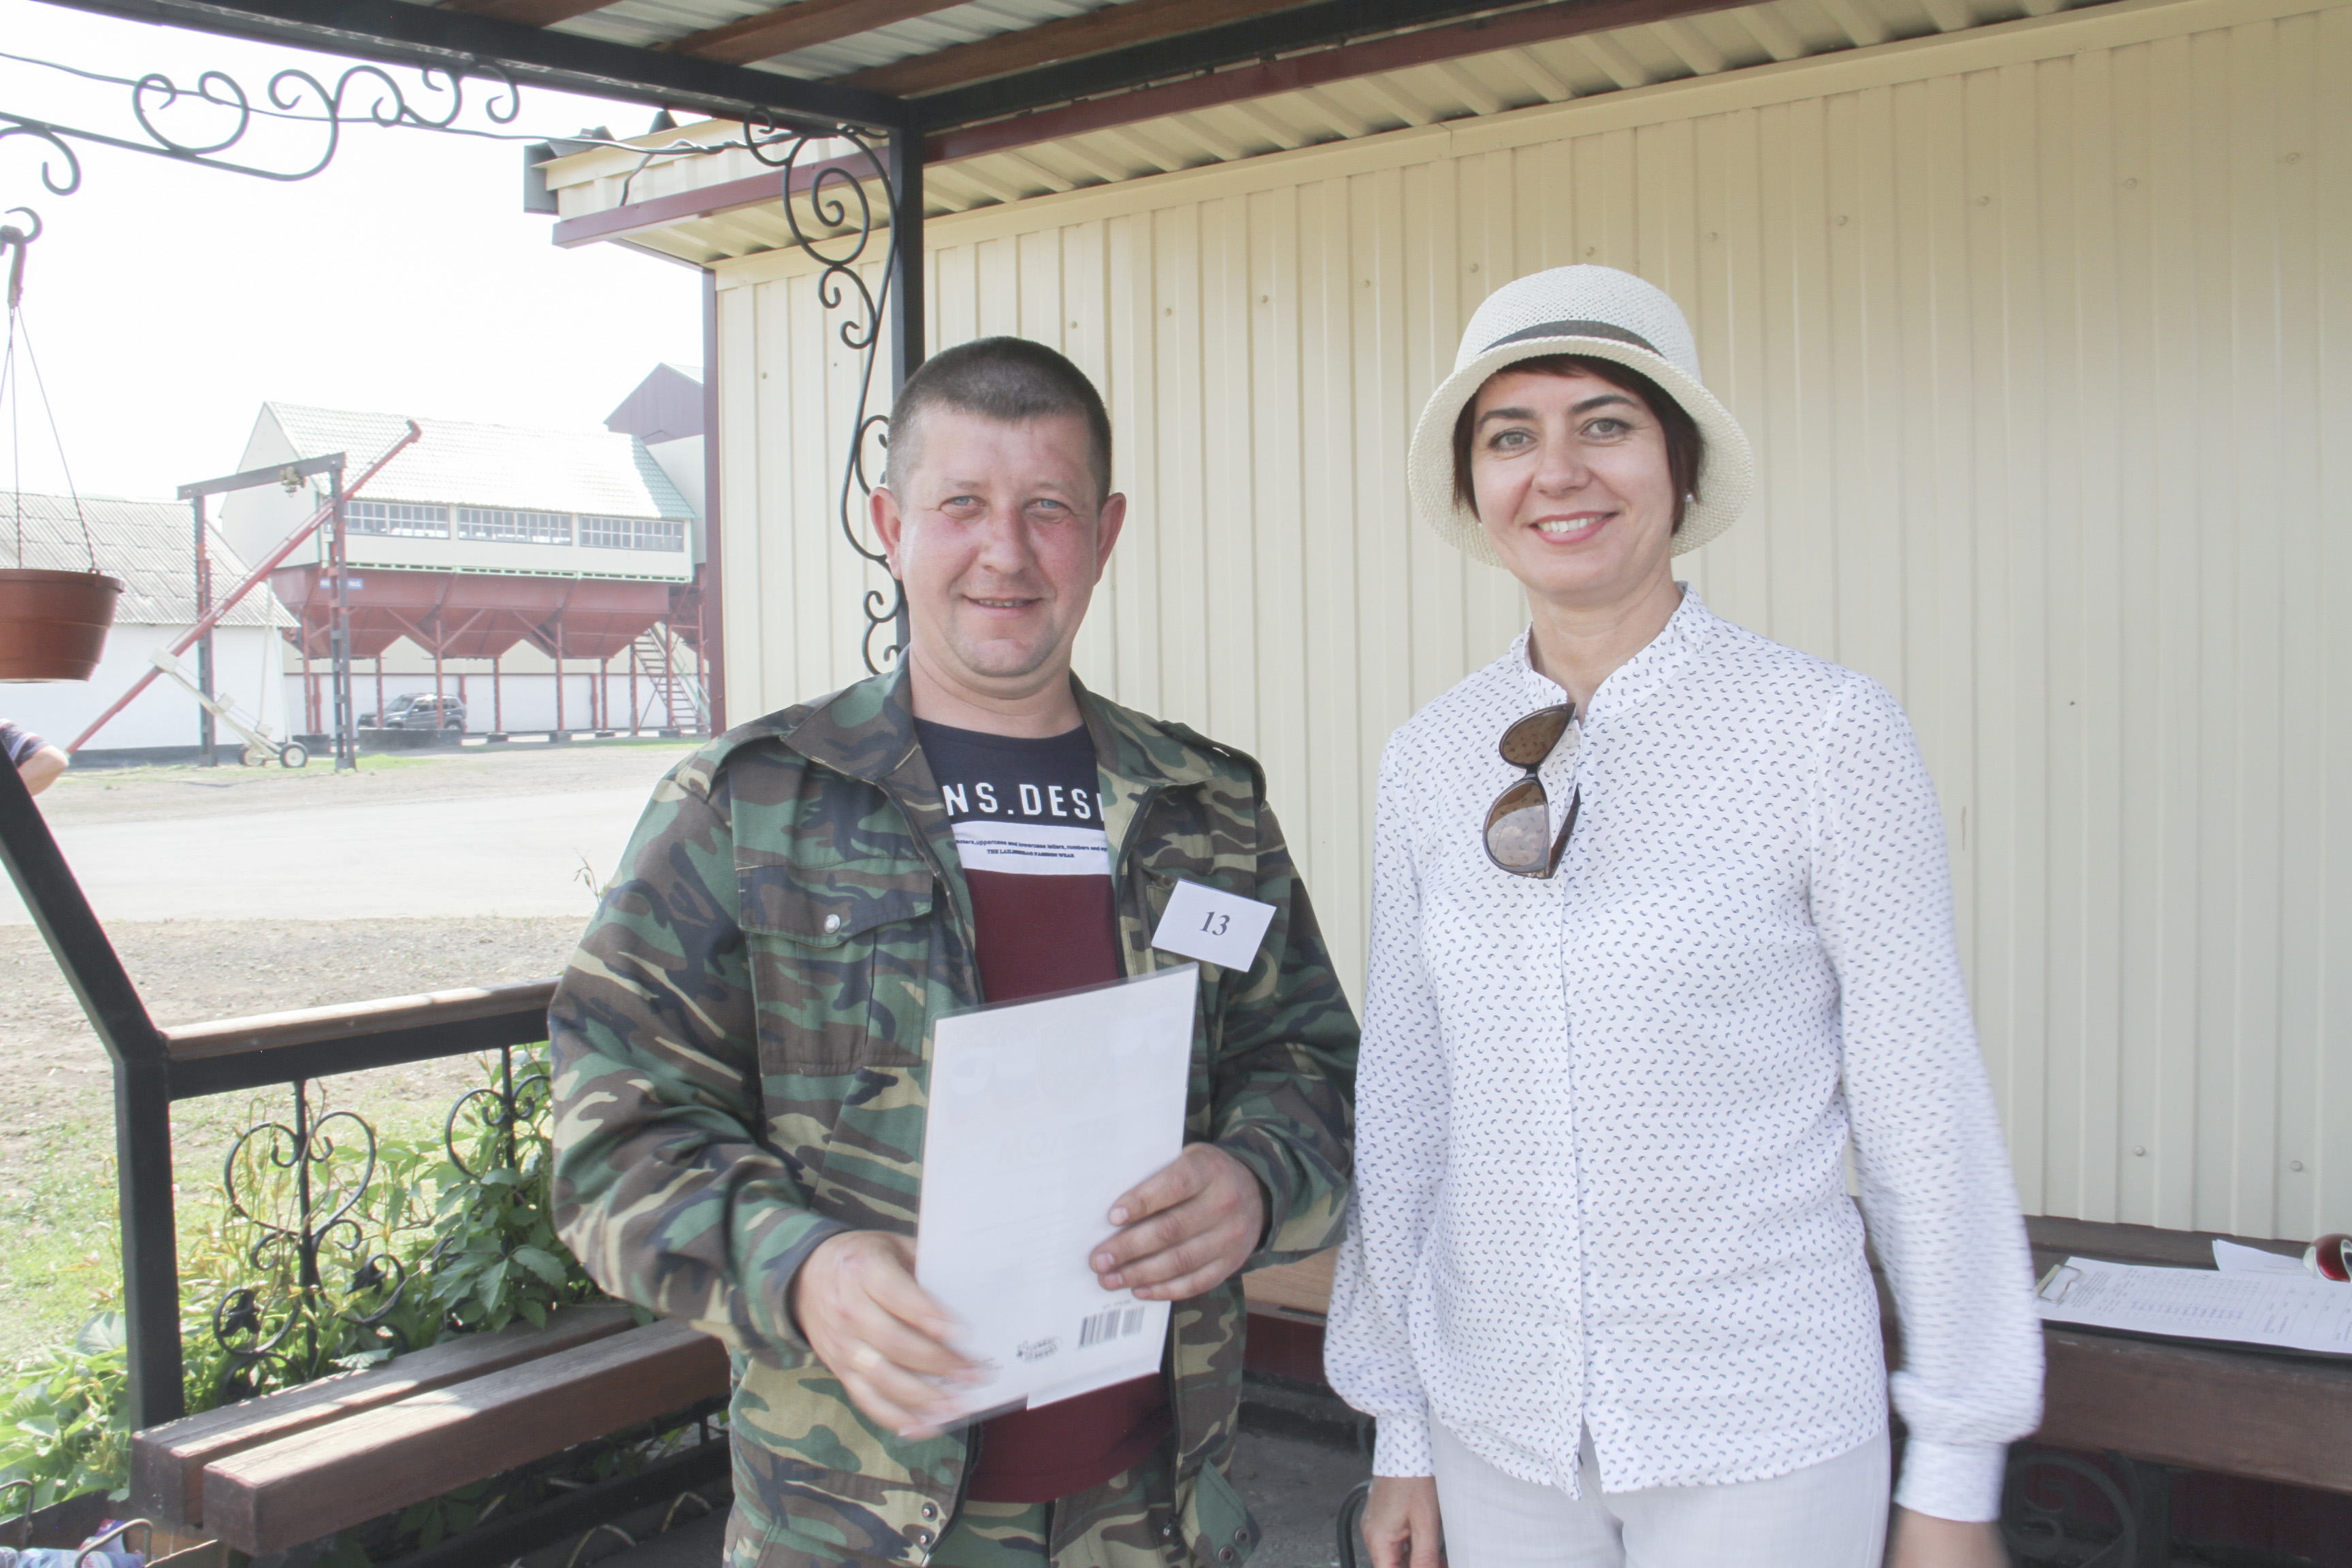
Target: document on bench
(1041, 1114)
(2273, 1310)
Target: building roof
(149, 544)
(459, 463)
(665, 406)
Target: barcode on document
(1115, 1324)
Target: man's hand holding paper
(890, 1343)
(1187, 1229)
(878, 1331)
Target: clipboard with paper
(1041, 1114)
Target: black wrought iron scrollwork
(298, 1187)
(55, 147)
(837, 233)
(363, 94)
(504, 1111)
(2048, 1514)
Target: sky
(166, 302)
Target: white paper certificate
(1041, 1114)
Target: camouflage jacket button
(831, 924)
(931, 1511)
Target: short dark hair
(1010, 380)
(1684, 447)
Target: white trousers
(1827, 1515)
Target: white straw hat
(1601, 313)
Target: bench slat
(2204, 1409)
(167, 1462)
(305, 1485)
(1304, 1287)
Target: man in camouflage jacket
(742, 1048)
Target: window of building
(633, 532)
(514, 527)
(404, 519)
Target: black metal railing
(336, 1258)
(155, 1067)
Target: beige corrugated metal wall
(2042, 334)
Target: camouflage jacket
(741, 1050)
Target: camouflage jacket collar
(867, 731)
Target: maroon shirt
(1028, 828)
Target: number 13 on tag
(1219, 928)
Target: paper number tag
(1215, 927)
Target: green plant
(496, 1257)
(436, 1242)
(61, 1427)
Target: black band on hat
(1575, 330)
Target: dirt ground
(52, 1067)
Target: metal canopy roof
(924, 66)
(708, 209)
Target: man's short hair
(1010, 380)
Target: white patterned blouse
(1601, 1119)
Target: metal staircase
(659, 660)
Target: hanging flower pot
(53, 624)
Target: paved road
(494, 854)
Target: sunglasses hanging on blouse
(1519, 821)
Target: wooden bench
(2230, 1411)
(295, 1465)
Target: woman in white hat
(1661, 922)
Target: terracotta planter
(53, 624)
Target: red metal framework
(482, 616)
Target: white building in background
(151, 546)
(544, 578)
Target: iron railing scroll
(506, 1108)
(833, 220)
(168, 116)
(2062, 1509)
(297, 1183)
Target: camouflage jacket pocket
(821, 939)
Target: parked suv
(417, 710)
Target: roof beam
(801, 26)
(1294, 73)
(1130, 23)
(424, 35)
(529, 13)
(1260, 36)
(712, 201)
